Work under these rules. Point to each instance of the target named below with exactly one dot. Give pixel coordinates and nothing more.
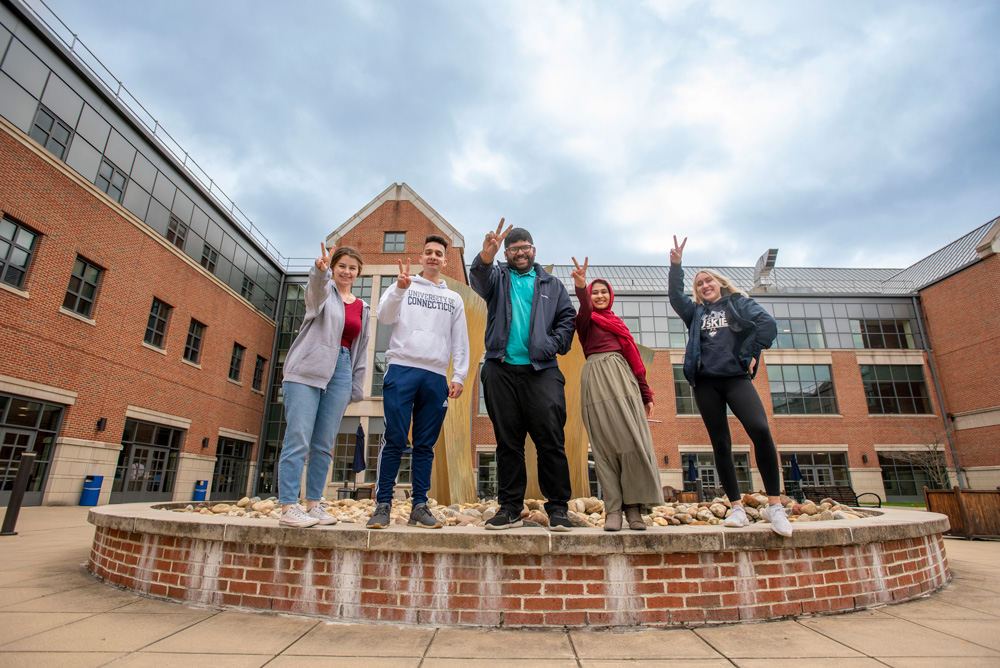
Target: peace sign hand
(491, 244)
(580, 273)
(323, 261)
(403, 280)
(677, 251)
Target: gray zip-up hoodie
(312, 359)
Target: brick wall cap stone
(879, 526)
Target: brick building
(144, 322)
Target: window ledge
(162, 351)
(902, 415)
(235, 382)
(77, 316)
(190, 363)
(11, 289)
(260, 392)
(807, 415)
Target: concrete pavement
(53, 613)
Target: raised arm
(683, 305)
(586, 306)
(484, 273)
(319, 286)
(391, 301)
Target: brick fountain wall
(522, 578)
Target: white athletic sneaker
(780, 525)
(320, 513)
(296, 517)
(737, 518)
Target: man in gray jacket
(529, 321)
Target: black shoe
(421, 517)
(504, 519)
(559, 520)
(380, 518)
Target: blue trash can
(91, 490)
(200, 488)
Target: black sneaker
(504, 519)
(380, 518)
(559, 520)
(421, 517)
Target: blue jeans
(312, 418)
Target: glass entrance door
(14, 442)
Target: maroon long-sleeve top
(596, 339)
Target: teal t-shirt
(522, 289)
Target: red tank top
(352, 323)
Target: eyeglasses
(521, 250)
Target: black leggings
(712, 395)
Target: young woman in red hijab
(616, 402)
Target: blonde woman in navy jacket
(727, 331)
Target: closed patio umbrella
(360, 461)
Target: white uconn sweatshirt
(430, 327)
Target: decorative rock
(752, 513)
(839, 515)
(683, 518)
(809, 508)
(578, 520)
(539, 517)
(826, 515)
(593, 505)
(750, 501)
(718, 509)
(221, 508)
(242, 503)
(263, 506)
(705, 515)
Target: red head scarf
(606, 319)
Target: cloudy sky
(851, 133)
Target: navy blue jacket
(753, 328)
(552, 314)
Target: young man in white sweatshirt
(430, 331)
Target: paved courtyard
(53, 613)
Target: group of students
(530, 320)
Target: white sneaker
(296, 517)
(737, 518)
(320, 513)
(780, 525)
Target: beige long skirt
(619, 434)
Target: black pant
(712, 395)
(523, 401)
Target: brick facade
(104, 360)
(962, 316)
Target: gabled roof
(399, 192)
(940, 264)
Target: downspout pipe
(937, 390)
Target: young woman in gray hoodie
(324, 371)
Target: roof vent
(763, 279)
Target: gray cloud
(862, 134)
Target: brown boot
(634, 518)
(613, 521)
